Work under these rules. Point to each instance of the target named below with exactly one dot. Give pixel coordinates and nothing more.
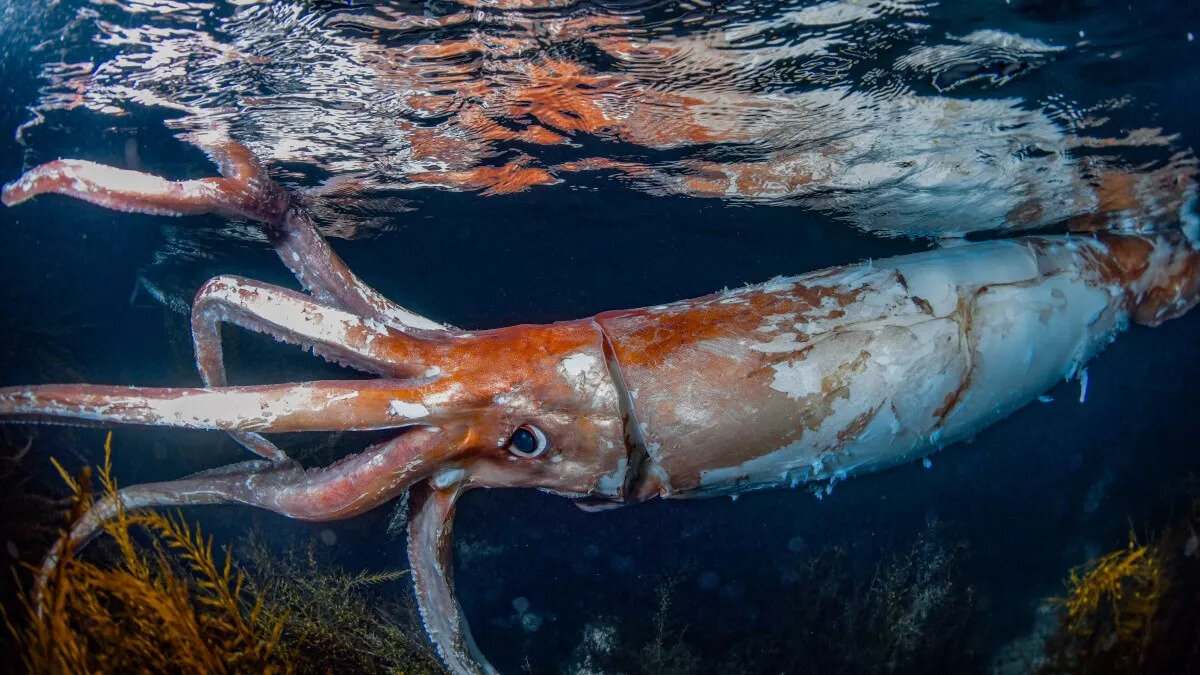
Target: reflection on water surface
(871, 111)
(893, 117)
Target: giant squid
(797, 380)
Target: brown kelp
(157, 599)
(168, 605)
(1135, 609)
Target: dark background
(1032, 496)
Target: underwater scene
(608, 336)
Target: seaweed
(1116, 594)
(911, 613)
(1135, 609)
(334, 619)
(666, 652)
(159, 600)
(32, 518)
(166, 606)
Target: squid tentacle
(350, 486)
(294, 318)
(430, 555)
(206, 340)
(331, 333)
(244, 191)
(328, 405)
(233, 160)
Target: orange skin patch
(491, 88)
(491, 180)
(659, 333)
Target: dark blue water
(1032, 496)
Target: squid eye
(528, 441)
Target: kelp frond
(1133, 609)
(337, 619)
(1121, 589)
(160, 600)
(143, 613)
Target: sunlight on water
(866, 110)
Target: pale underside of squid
(801, 379)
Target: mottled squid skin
(856, 368)
(808, 378)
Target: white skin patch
(577, 365)
(611, 483)
(778, 285)
(407, 318)
(124, 180)
(407, 410)
(938, 280)
(307, 320)
(452, 391)
(220, 409)
(444, 478)
(694, 415)
(797, 380)
(582, 371)
(782, 343)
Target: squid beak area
(431, 507)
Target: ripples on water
(875, 111)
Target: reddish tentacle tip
(17, 191)
(11, 194)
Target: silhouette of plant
(911, 614)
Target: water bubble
(708, 580)
(796, 544)
(521, 604)
(328, 537)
